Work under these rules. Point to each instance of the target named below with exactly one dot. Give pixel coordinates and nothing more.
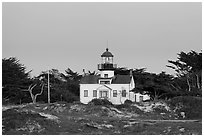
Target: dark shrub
(14, 119)
(192, 106)
(147, 100)
(67, 97)
(122, 106)
(128, 102)
(103, 102)
(129, 108)
(4, 101)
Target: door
(103, 94)
(141, 98)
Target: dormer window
(104, 81)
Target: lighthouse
(115, 88)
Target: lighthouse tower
(107, 67)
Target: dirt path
(172, 120)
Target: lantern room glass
(107, 60)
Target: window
(107, 60)
(85, 93)
(103, 94)
(123, 93)
(94, 93)
(106, 75)
(114, 93)
(104, 82)
(141, 98)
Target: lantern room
(107, 61)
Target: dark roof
(89, 79)
(139, 90)
(93, 79)
(121, 79)
(107, 54)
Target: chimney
(131, 72)
(83, 73)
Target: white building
(115, 88)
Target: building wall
(90, 88)
(132, 83)
(132, 96)
(145, 97)
(109, 72)
(115, 100)
(119, 87)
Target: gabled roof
(118, 79)
(89, 79)
(103, 87)
(121, 79)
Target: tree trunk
(35, 98)
(198, 82)
(34, 101)
(156, 96)
(32, 97)
(61, 97)
(174, 87)
(30, 89)
(189, 86)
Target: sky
(74, 35)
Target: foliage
(92, 73)
(165, 86)
(103, 102)
(62, 87)
(14, 79)
(121, 71)
(188, 67)
(126, 105)
(26, 122)
(65, 87)
(129, 108)
(128, 102)
(156, 85)
(73, 80)
(192, 106)
(34, 96)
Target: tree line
(18, 87)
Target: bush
(31, 123)
(128, 102)
(68, 97)
(192, 106)
(129, 108)
(122, 106)
(5, 101)
(103, 102)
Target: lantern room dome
(107, 54)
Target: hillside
(151, 118)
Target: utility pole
(48, 86)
